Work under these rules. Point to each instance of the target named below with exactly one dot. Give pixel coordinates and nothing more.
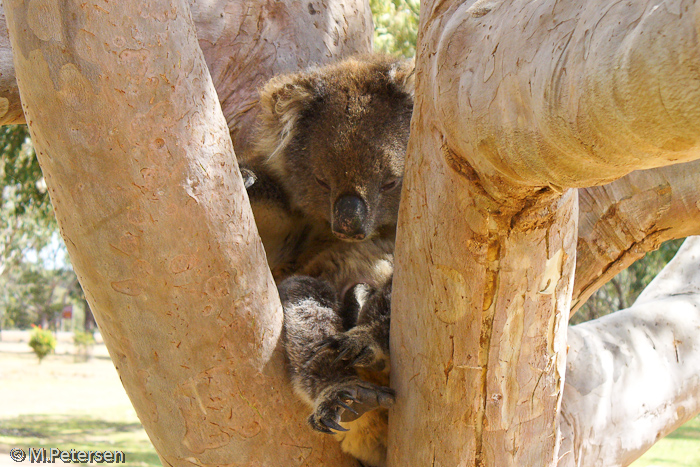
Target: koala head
(336, 139)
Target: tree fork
(527, 96)
(141, 172)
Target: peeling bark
(633, 376)
(620, 222)
(479, 318)
(140, 168)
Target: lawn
(67, 405)
(80, 432)
(679, 449)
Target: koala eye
(323, 184)
(390, 185)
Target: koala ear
(282, 100)
(402, 75)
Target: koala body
(324, 185)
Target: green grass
(80, 432)
(679, 449)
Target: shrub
(42, 341)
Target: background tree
(27, 227)
(26, 216)
(395, 26)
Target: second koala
(324, 186)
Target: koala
(329, 157)
(324, 184)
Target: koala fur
(324, 186)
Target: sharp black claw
(319, 427)
(317, 349)
(324, 430)
(347, 407)
(341, 355)
(323, 345)
(330, 423)
(348, 396)
(362, 355)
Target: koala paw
(346, 402)
(357, 347)
(249, 177)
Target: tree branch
(621, 221)
(563, 93)
(633, 376)
(517, 102)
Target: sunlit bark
(621, 221)
(633, 376)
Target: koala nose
(349, 218)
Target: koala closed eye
(323, 184)
(390, 185)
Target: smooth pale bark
(633, 376)
(621, 221)
(516, 102)
(245, 44)
(139, 164)
(563, 93)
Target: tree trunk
(517, 101)
(140, 168)
(633, 376)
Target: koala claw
(347, 402)
(332, 424)
(347, 407)
(342, 354)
